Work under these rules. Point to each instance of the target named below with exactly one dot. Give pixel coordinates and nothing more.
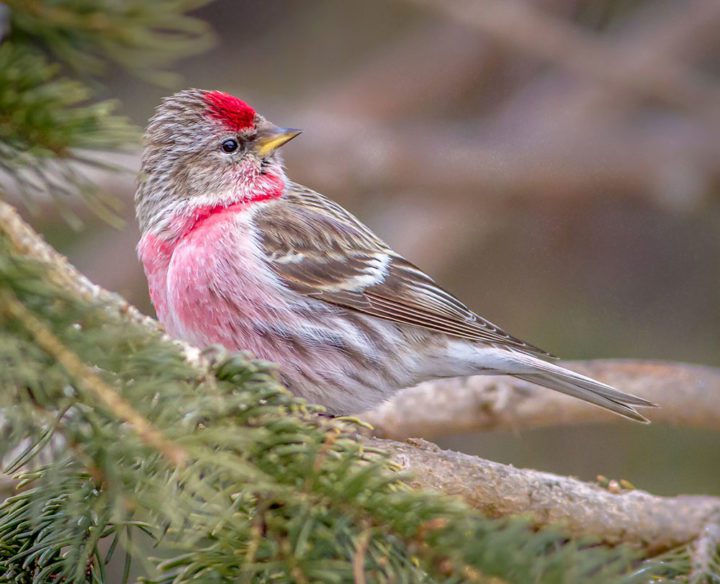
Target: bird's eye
(230, 145)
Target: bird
(236, 254)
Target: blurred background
(554, 163)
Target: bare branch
(667, 28)
(498, 490)
(451, 56)
(523, 26)
(564, 111)
(688, 395)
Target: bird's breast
(218, 287)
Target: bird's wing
(320, 250)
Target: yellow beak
(270, 139)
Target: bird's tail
(582, 387)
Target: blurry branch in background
(687, 395)
(633, 517)
(644, 73)
(440, 160)
(590, 126)
(452, 57)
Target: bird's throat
(203, 215)
(215, 212)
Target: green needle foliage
(47, 121)
(89, 34)
(50, 125)
(42, 113)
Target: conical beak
(270, 139)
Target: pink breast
(211, 286)
(155, 255)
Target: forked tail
(582, 387)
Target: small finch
(237, 254)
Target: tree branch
(634, 161)
(498, 490)
(688, 395)
(634, 517)
(525, 27)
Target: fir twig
(80, 372)
(90, 34)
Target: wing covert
(320, 250)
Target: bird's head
(204, 149)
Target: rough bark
(498, 490)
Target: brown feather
(320, 250)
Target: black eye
(230, 145)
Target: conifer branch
(88, 35)
(59, 271)
(91, 382)
(51, 125)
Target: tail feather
(584, 388)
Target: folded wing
(320, 250)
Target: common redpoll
(237, 254)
